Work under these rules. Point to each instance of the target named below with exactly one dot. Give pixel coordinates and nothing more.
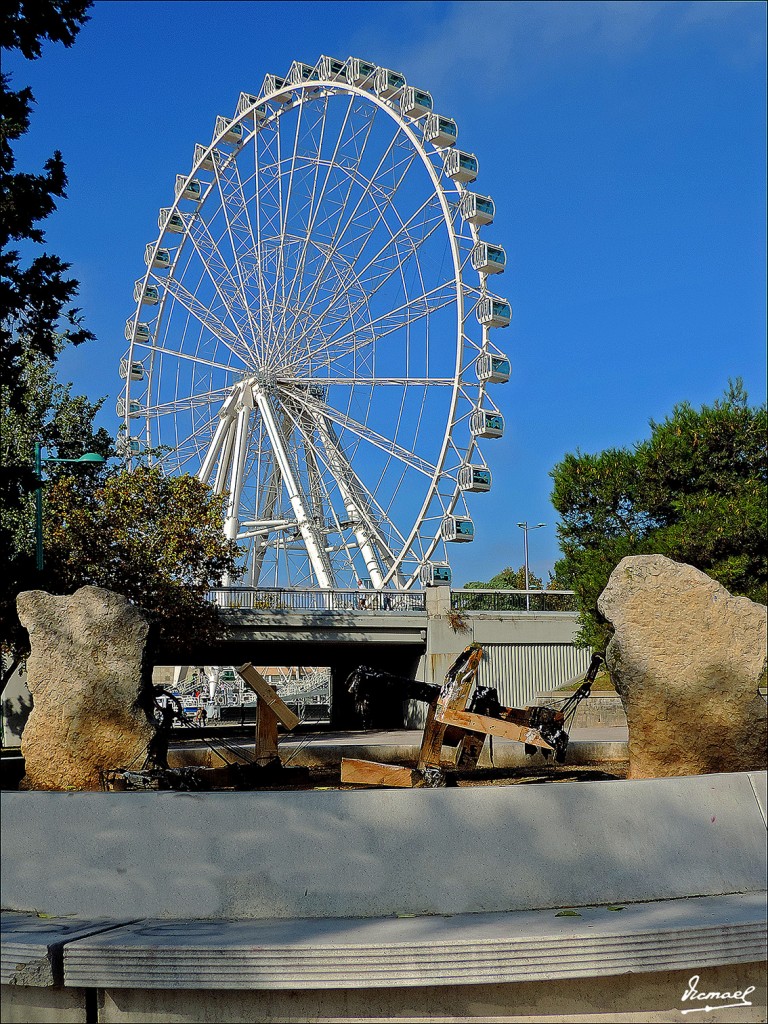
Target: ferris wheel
(312, 333)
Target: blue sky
(623, 144)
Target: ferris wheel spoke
(212, 261)
(316, 199)
(368, 382)
(358, 141)
(374, 190)
(413, 245)
(259, 249)
(284, 204)
(341, 224)
(313, 203)
(234, 342)
(381, 196)
(189, 357)
(235, 211)
(408, 312)
(217, 272)
(198, 400)
(404, 244)
(325, 352)
(372, 276)
(204, 252)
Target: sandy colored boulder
(86, 673)
(686, 659)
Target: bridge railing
(513, 601)
(277, 599)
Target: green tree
(63, 424)
(36, 316)
(35, 296)
(695, 491)
(508, 579)
(156, 539)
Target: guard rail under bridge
(527, 636)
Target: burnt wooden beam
(376, 773)
(267, 695)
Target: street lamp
(91, 457)
(525, 528)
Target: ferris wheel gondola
(312, 334)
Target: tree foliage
(156, 539)
(36, 317)
(62, 423)
(508, 579)
(695, 491)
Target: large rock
(88, 677)
(686, 659)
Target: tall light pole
(525, 528)
(91, 457)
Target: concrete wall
(363, 853)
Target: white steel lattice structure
(312, 334)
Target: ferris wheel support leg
(225, 420)
(312, 537)
(232, 520)
(366, 530)
(272, 493)
(225, 462)
(341, 469)
(359, 525)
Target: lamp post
(525, 528)
(89, 457)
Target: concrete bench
(199, 970)
(427, 904)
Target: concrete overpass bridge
(528, 637)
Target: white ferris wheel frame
(227, 449)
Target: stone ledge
(32, 947)
(421, 951)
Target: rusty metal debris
(460, 714)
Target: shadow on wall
(14, 710)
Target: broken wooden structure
(460, 714)
(271, 712)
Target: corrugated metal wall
(518, 671)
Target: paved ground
(586, 747)
(383, 737)
(412, 737)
